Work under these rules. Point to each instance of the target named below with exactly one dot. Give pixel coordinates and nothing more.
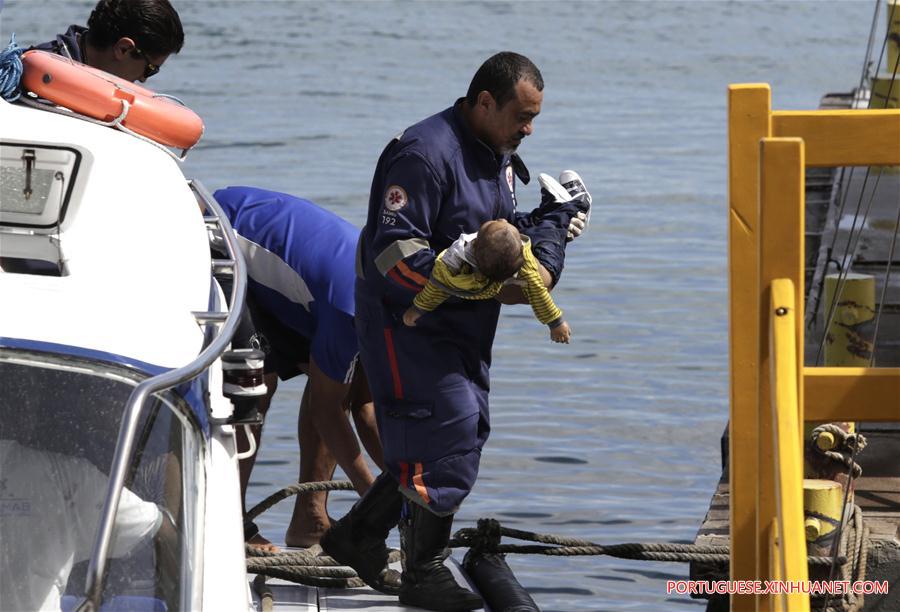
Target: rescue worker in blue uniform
(130, 39)
(442, 177)
(300, 268)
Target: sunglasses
(149, 69)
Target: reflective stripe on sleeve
(270, 270)
(397, 252)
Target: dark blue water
(613, 438)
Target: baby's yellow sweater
(470, 284)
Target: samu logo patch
(395, 198)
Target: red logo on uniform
(509, 179)
(395, 198)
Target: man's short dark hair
(499, 76)
(153, 24)
(498, 253)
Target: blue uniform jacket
(65, 44)
(300, 262)
(432, 183)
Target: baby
(476, 266)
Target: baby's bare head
(498, 250)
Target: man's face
(132, 63)
(140, 67)
(505, 127)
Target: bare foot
(260, 543)
(308, 534)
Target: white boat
(111, 333)
(119, 485)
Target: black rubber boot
(426, 582)
(358, 539)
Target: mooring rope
(309, 566)
(296, 489)
(486, 538)
(314, 568)
(856, 534)
(846, 446)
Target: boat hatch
(36, 184)
(59, 421)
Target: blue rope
(11, 70)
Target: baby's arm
(430, 297)
(545, 309)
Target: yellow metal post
(749, 108)
(893, 34)
(848, 340)
(885, 92)
(789, 555)
(822, 500)
(782, 197)
(766, 243)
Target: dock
(851, 226)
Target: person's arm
(410, 204)
(513, 293)
(545, 309)
(326, 400)
(431, 296)
(332, 355)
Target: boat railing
(769, 152)
(225, 322)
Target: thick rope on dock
(853, 541)
(486, 537)
(312, 567)
(847, 445)
(295, 489)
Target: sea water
(615, 437)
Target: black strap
(520, 169)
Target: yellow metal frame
(772, 393)
(787, 553)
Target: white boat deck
(289, 596)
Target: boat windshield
(59, 422)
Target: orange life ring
(99, 95)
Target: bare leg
(310, 519)
(245, 466)
(326, 405)
(324, 422)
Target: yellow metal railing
(768, 154)
(786, 530)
